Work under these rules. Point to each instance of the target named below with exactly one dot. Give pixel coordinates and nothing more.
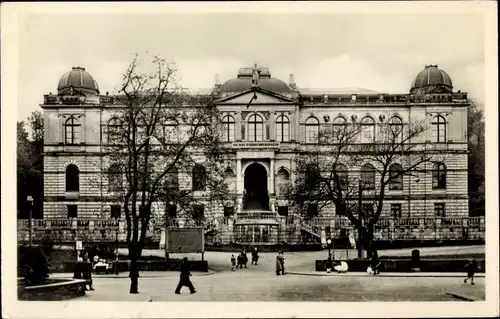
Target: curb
(362, 274)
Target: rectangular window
(439, 210)
(199, 212)
(339, 209)
(283, 210)
(396, 210)
(228, 211)
(368, 209)
(172, 210)
(72, 211)
(312, 209)
(116, 211)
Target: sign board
(79, 245)
(185, 240)
(29, 198)
(256, 145)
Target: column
(272, 126)
(239, 189)
(237, 129)
(271, 184)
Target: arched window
(72, 131)
(199, 177)
(230, 179)
(171, 131)
(228, 123)
(115, 178)
(72, 178)
(439, 129)
(312, 130)
(282, 129)
(282, 179)
(172, 179)
(367, 130)
(339, 128)
(255, 128)
(340, 177)
(439, 176)
(396, 129)
(114, 131)
(313, 176)
(368, 177)
(396, 177)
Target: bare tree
(157, 133)
(326, 176)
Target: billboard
(184, 240)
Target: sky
(381, 52)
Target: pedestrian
(77, 273)
(233, 262)
(471, 268)
(255, 256)
(240, 261)
(278, 264)
(282, 264)
(184, 278)
(245, 258)
(329, 263)
(87, 273)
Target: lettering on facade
(256, 145)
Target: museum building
(268, 124)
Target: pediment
(257, 96)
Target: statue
(255, 76)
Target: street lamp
(329, 244)
(30, 231)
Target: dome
(79, 80)
(244, 82)
(429, 78)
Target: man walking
(185, 280)
(471, 269)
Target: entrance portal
(256, 195)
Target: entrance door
(256, 196)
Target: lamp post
(30, 231)
(116, 241)
(329, 244)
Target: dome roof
(244, 82)
(79, 80)
(429, 78)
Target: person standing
(233, 262)
(184, 278)
(87, 273)
(471, 268)
(77, 273)
(282, 263)
(278, 264)
(240, 261)
(255, 256)
(245, 258)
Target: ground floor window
(439, 209)
(283, 211)
(115, 211)
(396, 210)
(312, 210)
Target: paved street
(260, 283)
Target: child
(471, 269)
(233, 262)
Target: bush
(35, 266)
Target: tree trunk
(134, 269)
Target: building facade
(268, 124)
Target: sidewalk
(384, 274)
(142, 274)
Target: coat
(185, 271)
(87, 270)
(280, 262)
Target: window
(116, 211)
(368, 177)
(439, 176)
(198, 212)
(255, 128)
(72, 211)
(199, 177)
(228, 211)
(396, 210)
(338, 129)
(172, 180)
(170, 131)
(282, 129)
(172, 210)
(439, 129)
(312, 210)
(72, 178)
(72, 131)
(368, 209)
(115, 179)
(340, 177)
(282, 181)
(396, 177)
(395, 130)
(228, 123)
(439, 210)
(313, 176)
(114, 131)
(367, 130)
(312, 131)
(283, 211)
